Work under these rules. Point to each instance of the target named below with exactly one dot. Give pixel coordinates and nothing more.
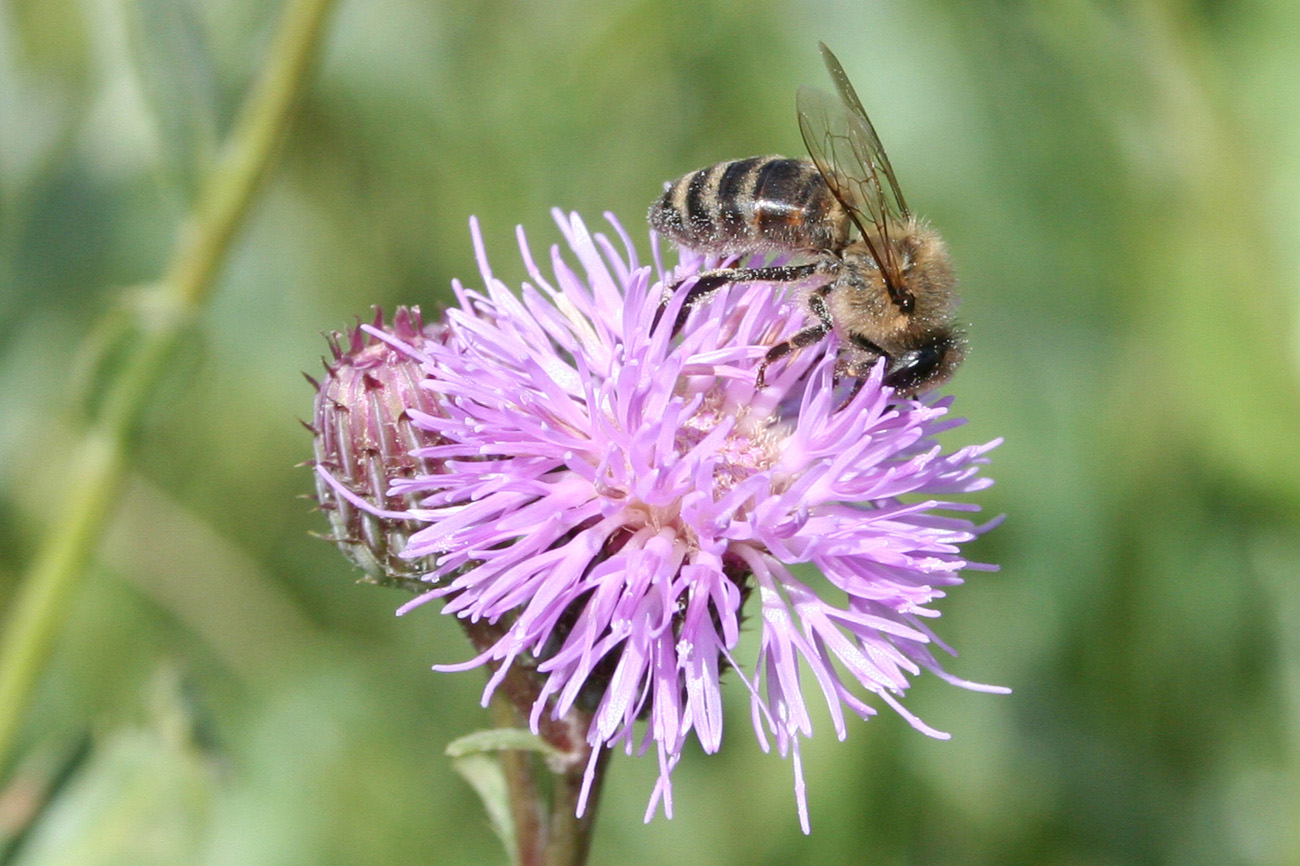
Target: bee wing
(849, 155)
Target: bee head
(927, 365)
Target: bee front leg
(710, 281)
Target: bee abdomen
(751, 205)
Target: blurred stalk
(570, 836)
(100, 461)
(544, 834)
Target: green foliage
(1117, 182)
(144, 796)
(486, 777)
(169, 53)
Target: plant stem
(100, 461)
(526, 805)
(569, 841)
(563, 839)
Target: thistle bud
(364, 438)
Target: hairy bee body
(883, 279)
(760, 204)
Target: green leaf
(499, 739)
(488, 780)
(169, 47)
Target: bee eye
(914, 369)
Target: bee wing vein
(847, 151)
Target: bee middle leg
(810, 335)
(710, 281)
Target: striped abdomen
(752, 205)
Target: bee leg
(859, 367)
(858, 371)
(706, 284)
(808, 336)
(709, 282)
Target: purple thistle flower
(610, 495)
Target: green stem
(569, 840)
(100, 462)
(526, 805)
(545, 834)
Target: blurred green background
(1118, 183)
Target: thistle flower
(610, 494)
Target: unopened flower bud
(363, 438)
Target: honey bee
(886, 291)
